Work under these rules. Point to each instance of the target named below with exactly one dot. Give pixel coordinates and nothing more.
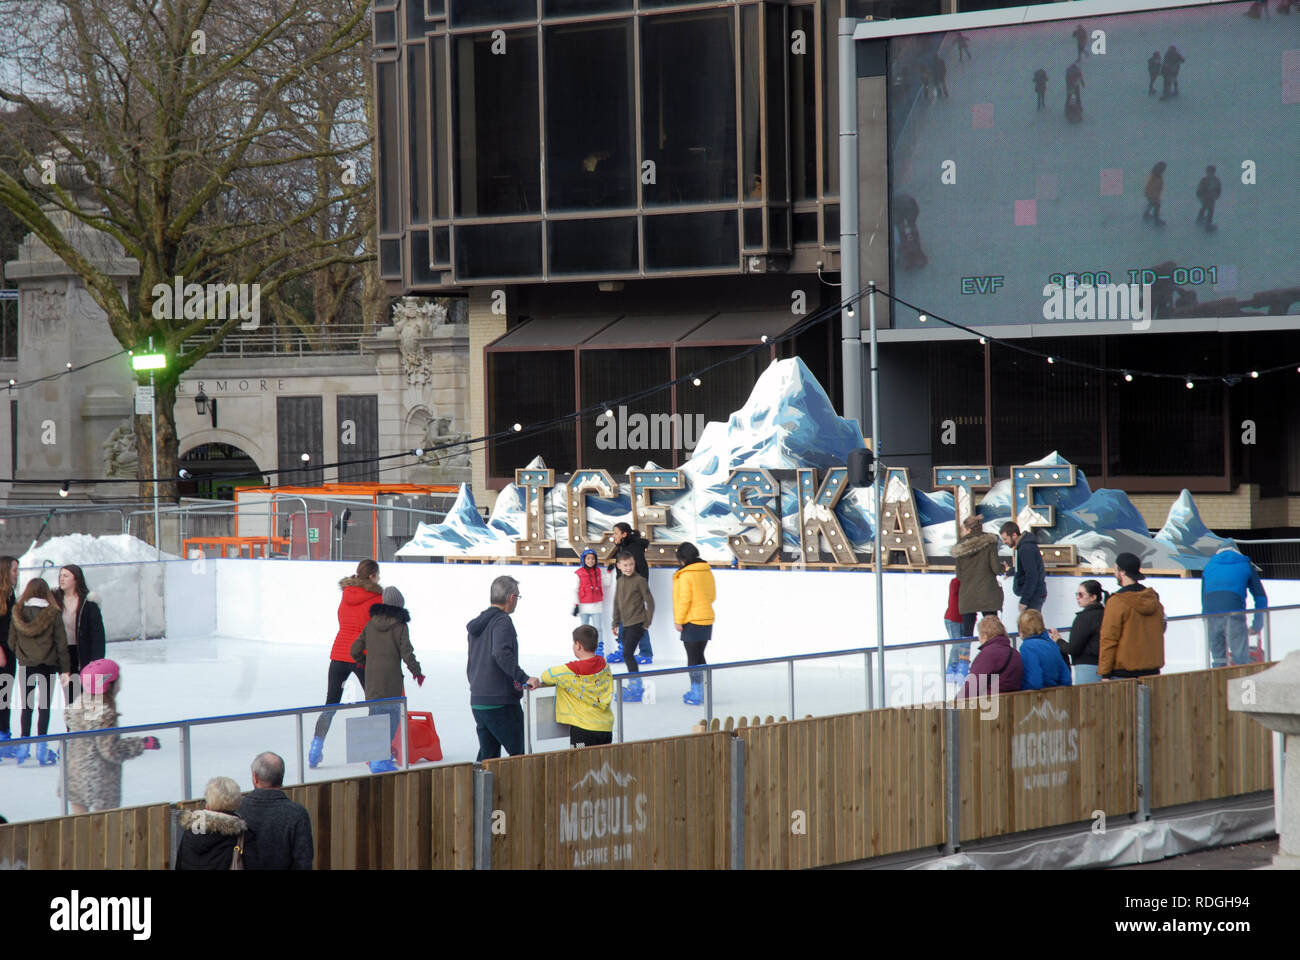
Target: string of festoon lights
(695, 378)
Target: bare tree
(213, 138)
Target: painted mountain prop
(789, 423)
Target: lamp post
(152, 361)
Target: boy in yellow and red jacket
(584, 691)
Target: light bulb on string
(1189, 385)
(1254, 374)
(63, 490)
(517, 427)
(1128, 377)
(696, 381)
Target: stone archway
(213, 457)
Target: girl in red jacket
(360, 593)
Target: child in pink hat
(95, 763)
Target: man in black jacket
(496, 681)
(1030, 583)
(279, 830)
(626, 539)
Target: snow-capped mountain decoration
(789, 424)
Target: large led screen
(1126, 167)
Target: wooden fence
(1047, 757)
(651, 804)
(814, 792)
(1200, 750)
(836, 789)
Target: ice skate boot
(315, 752)
(6, 752)
(45, 756)
(617, 655)
(633, 691)
(21, 753)
(382, 766)
(695, 695)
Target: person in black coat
(279, 830)
(82, 620)
(211, 837)
(1084, 646)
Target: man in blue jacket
(496, 681)
(1224, 583)
(1030, 583)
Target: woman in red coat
(360, 593)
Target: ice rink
(1036, 195)
(249, 636)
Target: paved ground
(1243, 856)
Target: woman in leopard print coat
(95, 763)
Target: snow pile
(120, 571)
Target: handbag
(237, 858)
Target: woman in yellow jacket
(693, 594)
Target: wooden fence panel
(1043, 758)
(1200, 750)
(837, 789)
(651, 804)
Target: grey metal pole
(483, 800)
(302, 766)
(952, 795)
(850, 319)
(790, 682)
(153, 428)
(737, 798)
(866, 660)
(402, 732)
(1143, 752)
(708, 695)
(619, 683)
(528, 721)
(64, 765)
(878, 451)
(186, 786)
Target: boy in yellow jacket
(584, 690)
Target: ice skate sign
(1101, 301)
(600, 829)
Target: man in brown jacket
(1133, 626)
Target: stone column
(484, 327)
(63, 423)
(1273, 698)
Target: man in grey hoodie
(496, 681)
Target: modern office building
(628, 191)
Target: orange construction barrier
(422, 741)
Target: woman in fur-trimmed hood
(209, 838)
(978, 567)
(360, 593)
(40, 646)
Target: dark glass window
(484, 251)
(498, 162)
(830, 98)
(474, 13)
(590, 157)
(688, 113)
(647, 425)
(831, 218)
(899, 9)
(750, 128)
(753, 220)
(390, 157)
(417, 118)
(438, 132)
(592, 246)
(803, 105)
(414, 19)
(435, 7)
(1039, 407)
(779, 229)
(421, 271)
(390, 258)
(965, 5)
(722, 390)
(777, 42)
(442, 245)
(805, 227)
(528, 387)
(385, 28)
(568, 8)
(688, 240)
